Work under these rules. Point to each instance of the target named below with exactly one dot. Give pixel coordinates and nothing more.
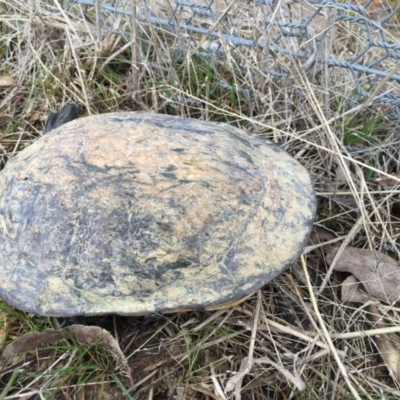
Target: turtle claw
(67, 113)
(148, 321)
(80, 320)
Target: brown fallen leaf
(360, 262)
(6, 81)
(387, 181)
(387, 344)
(83, 334)
(379, 274)
(35, 116)
(30, 341)
(351, 292)
(90, 334)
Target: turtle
(136, 213)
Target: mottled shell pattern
(133, 213)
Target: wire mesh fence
(354, 42)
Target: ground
(299, 337)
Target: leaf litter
(84, 335)
(375, 277)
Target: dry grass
(293, 332)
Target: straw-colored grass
(294, 339)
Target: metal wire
(371, 66)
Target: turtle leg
(67, 113)
(148, 321)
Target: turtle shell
(134, 213)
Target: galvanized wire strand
(353, 14)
